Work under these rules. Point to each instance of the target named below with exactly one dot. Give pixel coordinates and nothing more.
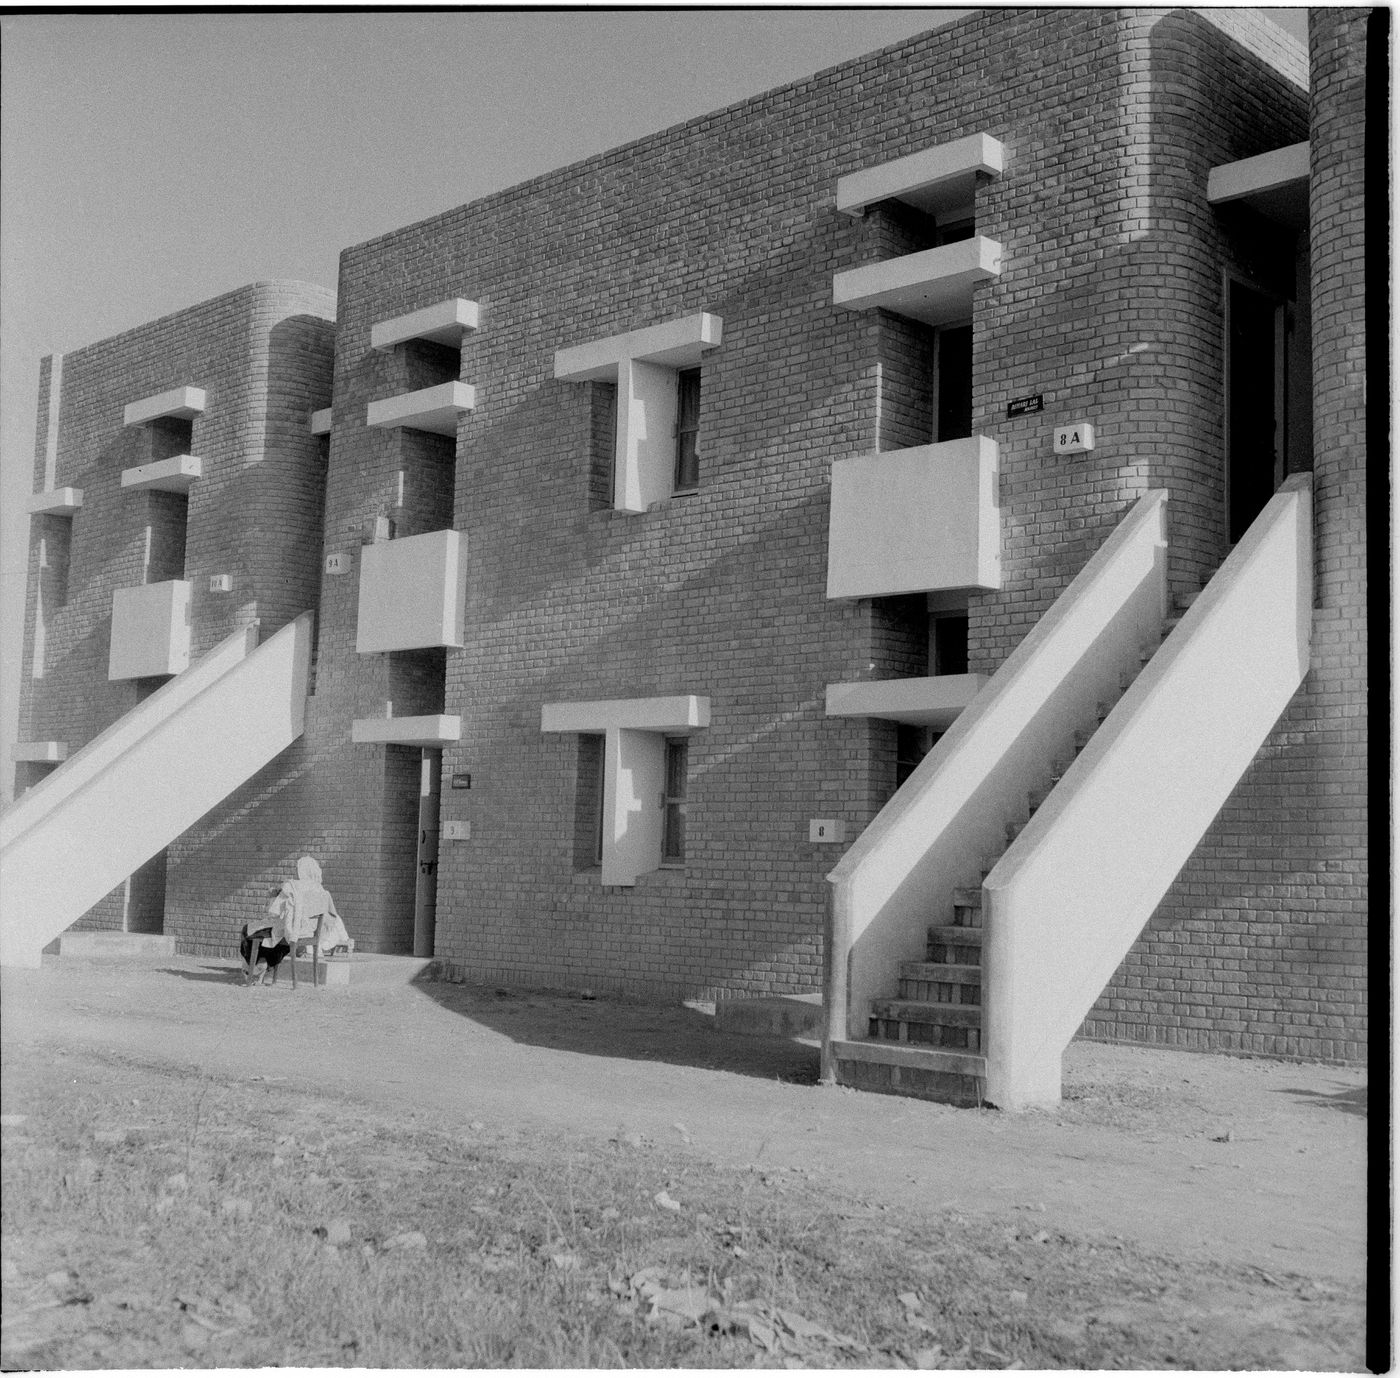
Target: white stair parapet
(136, 787)
(952, 811)
(1074, 891)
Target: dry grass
(159, 1219)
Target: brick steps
(905, 1069)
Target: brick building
(687, 527)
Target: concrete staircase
(133, 789)
(938, 1008)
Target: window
(954, 231)
(588, 803)
(912, 743)
(673, 803)
(170, 436)
(948, 643)
(687, 474)
(953, 383)
(654, 378)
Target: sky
(152, 161)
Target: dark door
(1254, 433)
(425, 889)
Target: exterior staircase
(939, 1005)
(1078, 782)
(137, 786)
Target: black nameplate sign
(461, 782)
(1020, 406)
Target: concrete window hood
(413, 593)
(150, 630)
(434, 409)
(634, 735)
(644, 365)
(445, 322)
(1275, 184)
(39, 751)
(931, 701)
(430, 729)
(184, 403)
(920, 520)
(174, 475)
(56, 502)
(320, 423)
(935, 286)
(938, 181)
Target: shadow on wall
(633, 1032)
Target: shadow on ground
(614, 1028)
(1350, 1101)
(221, 975)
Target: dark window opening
(30, 773)
(952, 231)
(1253, 398)
(912, 743)
(169, 515)
(170, 436)
(673, 802)
(602, 444)
(588, 803)
(949, 644)
(687, 473)
(427, 363)
(953, 419)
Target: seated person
(303, 909)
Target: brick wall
(1109, 136)
(1261, 947)
(263, 356)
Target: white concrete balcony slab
(932, 701)
(673, 344)
(431, 729)
(56, 502)
(939, 180)
(921, 520)
(174, 475)
(150, 630)
(935, 286)
(185, 403)
(43, 752)
(445, 322)
(320, 423)
(1275, 184)
(434, 409)
(413, 593)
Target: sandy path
(1133, 1151)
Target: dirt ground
(1224, 1160)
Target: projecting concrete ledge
(56, 502)
(782, 1016)
(186, 403)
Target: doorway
(425, 887)
(145, 897)
(1255, 402)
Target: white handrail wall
(137, 786)
(951, 812)
(1072, 894)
